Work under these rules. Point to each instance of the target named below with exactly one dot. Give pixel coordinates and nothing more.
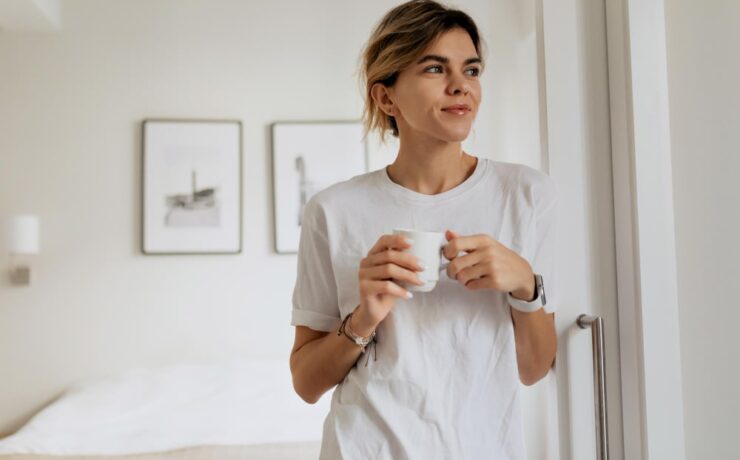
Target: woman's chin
(447, 133)
(454, 135)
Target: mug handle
(444, 262)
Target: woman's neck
(431, 169)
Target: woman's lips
(457, 109)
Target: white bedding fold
(237, 402)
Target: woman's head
(422, 58)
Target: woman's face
(426, 94)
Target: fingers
(375, 287)
(471, 273)
(389, 242)
(402, 258)
(466, 260)
(386, 263)
(390, 271)
(463, 243)
(382, 263)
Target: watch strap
(532, 305)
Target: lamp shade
(23, 234)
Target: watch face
(542, 295)
(541, 289)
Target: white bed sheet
(236, 402)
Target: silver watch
(535, 304)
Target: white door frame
(649, 346)
(574, 94)
(652, 402)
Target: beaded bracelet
(363, 342)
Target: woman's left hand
(488, 264)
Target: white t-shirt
(445, 384)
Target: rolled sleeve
(314, 299)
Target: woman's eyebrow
(444, 60)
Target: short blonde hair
(396, 42)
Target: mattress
(241, 408)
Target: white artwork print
(192, 203)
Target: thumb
(449, 234)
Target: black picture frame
(205, 221)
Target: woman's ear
(382, 97)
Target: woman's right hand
(385, 263)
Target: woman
(443, 380)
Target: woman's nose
(458, 85)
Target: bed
(236, 409)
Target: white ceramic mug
(427, 246)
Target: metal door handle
(596, 323)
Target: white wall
(71, 104)
(703, 75)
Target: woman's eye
(473, 71)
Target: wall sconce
(23, 240)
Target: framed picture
(191, 186)
(306, 158)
